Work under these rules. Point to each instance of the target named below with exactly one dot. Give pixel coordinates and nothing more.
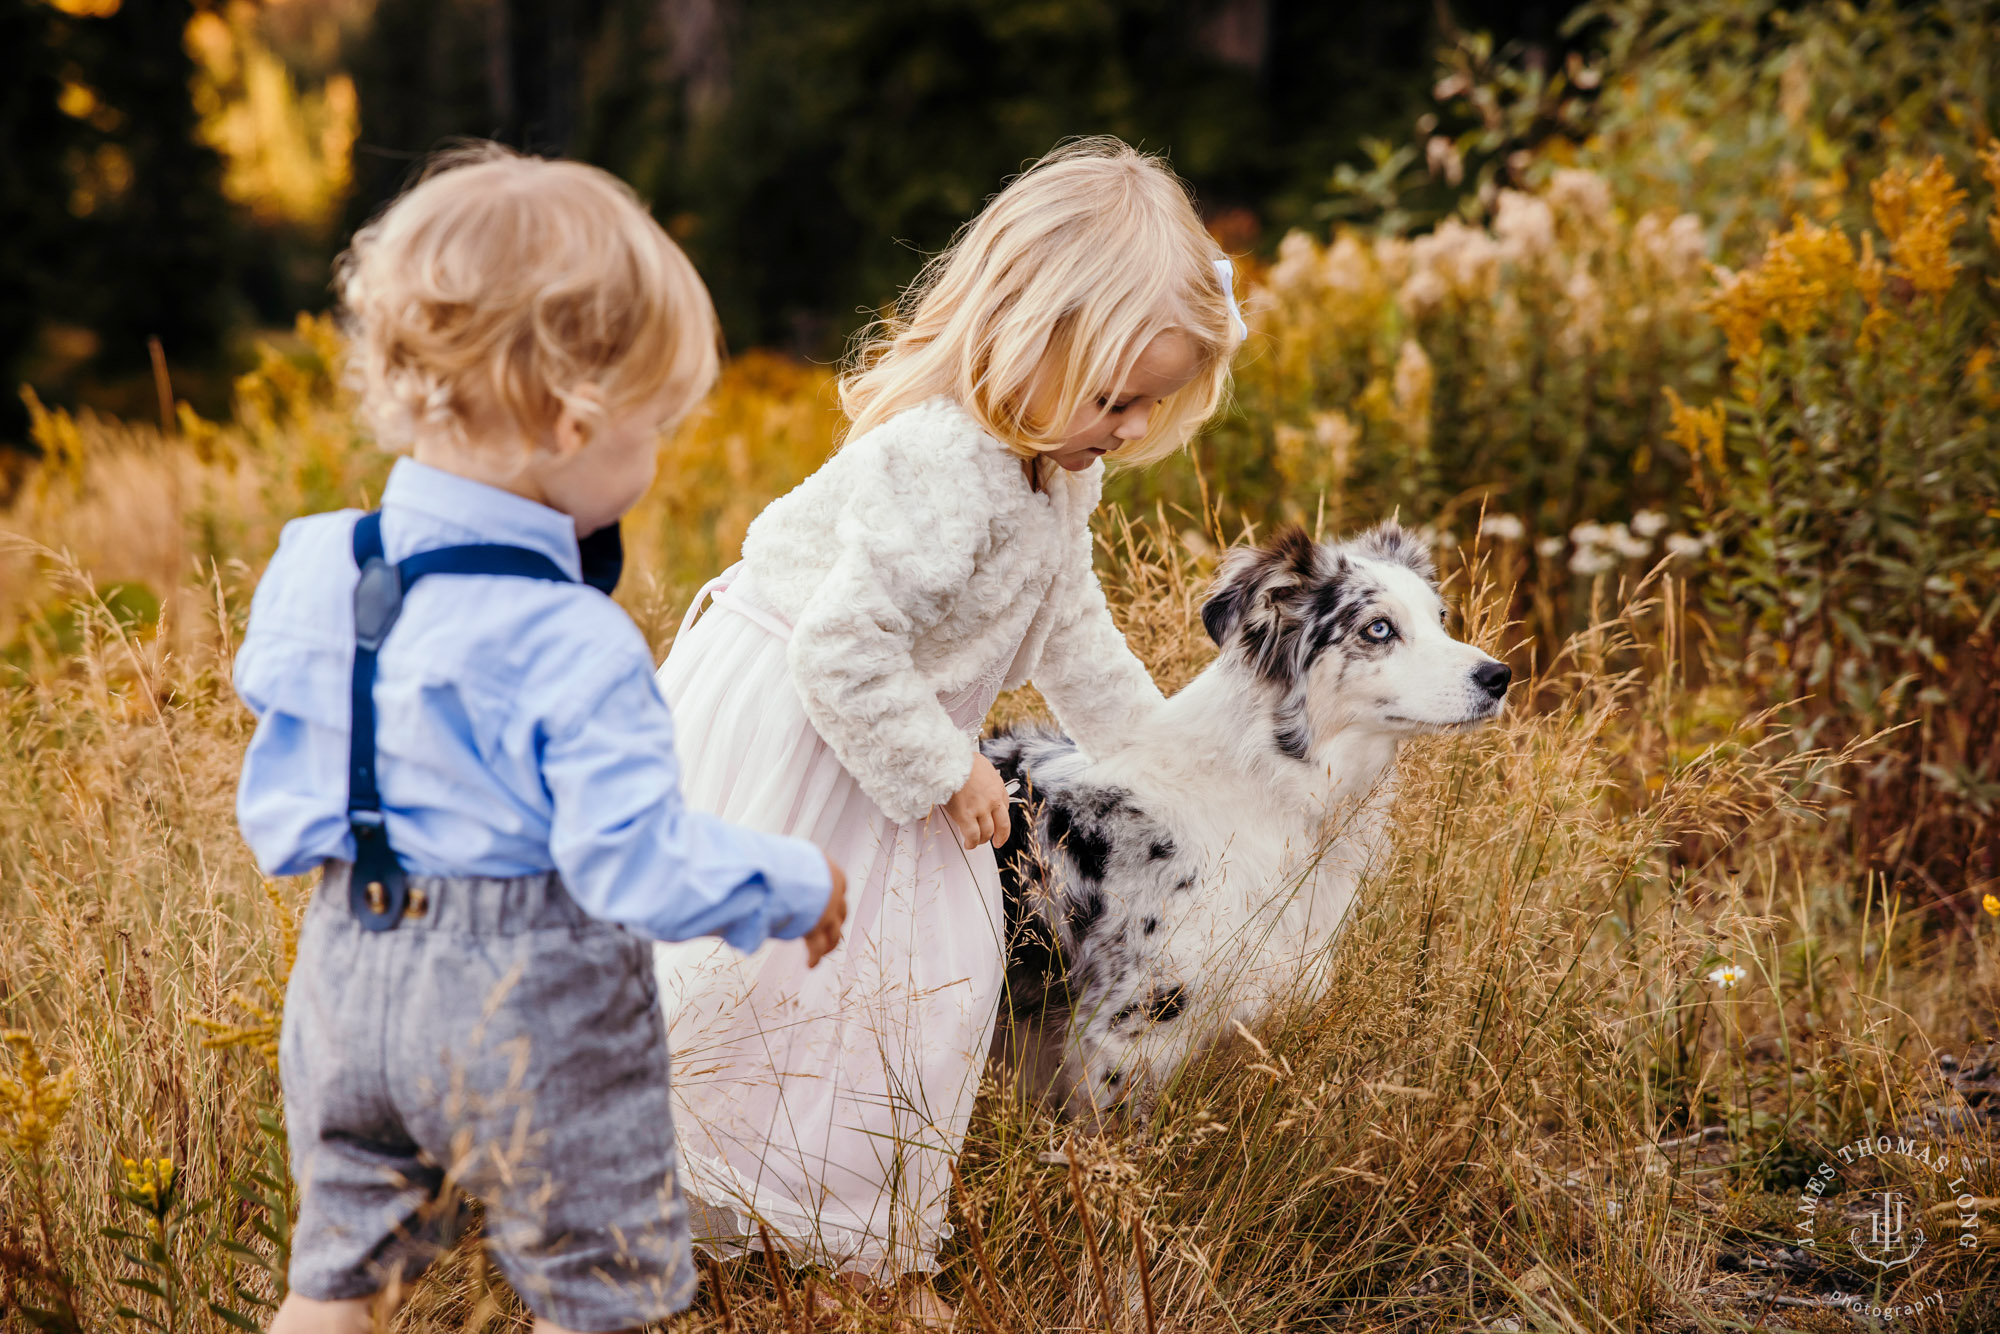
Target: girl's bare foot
(918, 1306)
(828, 1300)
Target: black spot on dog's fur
(1340, 606)
(1166, 1003)
(1162, 849)
(1083, 914)
(1105, 802)
(1086, 848)
(1152, 925)
(1293, 738)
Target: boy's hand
(979, 809)
(826, 932)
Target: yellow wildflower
(1803, 272)
(1978, 375)
(1800, 279)
(1869, 276)
(264, 1020)
(1918, 217)
(1992, 905)
(32, 1101)
(59, 437)
(150, 1182)
(1738, 310)
(1697, 430)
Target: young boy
(468, 738)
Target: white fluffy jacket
(910, 566)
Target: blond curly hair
(503, 282)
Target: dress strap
(709, 589)
(724, 591)
(379, 887)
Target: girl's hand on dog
(826, 932)
(979, 809)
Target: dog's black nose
(1492, 677)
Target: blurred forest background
(186, 169)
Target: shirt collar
(429, 508)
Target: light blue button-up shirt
(518, 729)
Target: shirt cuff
(799, 884)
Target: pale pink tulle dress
(826, 1104)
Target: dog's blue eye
(1380, 631)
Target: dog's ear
(1235, 585)
(1390, 541)
(1257, 586)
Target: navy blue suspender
(379, 889)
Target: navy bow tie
(603, 558)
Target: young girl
(837, 689)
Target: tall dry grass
(1521, 1100)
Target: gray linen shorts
(500, 1044)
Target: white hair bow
(1226, 271)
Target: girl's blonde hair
(1074, 267)
(507, 282)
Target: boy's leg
(355, 1315)
(550, 1101)
(373, 1212)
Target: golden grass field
(1617, 994)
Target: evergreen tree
(807, 154)
(155, 241)
(34, 198)
(507, 70)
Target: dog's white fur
(1196, 875)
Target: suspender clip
(379, 889)
(378, 601)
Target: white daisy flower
(1686, 545)
(1620, 539)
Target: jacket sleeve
(907, 541)
(1101, 693)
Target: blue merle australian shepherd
(1160, 895)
